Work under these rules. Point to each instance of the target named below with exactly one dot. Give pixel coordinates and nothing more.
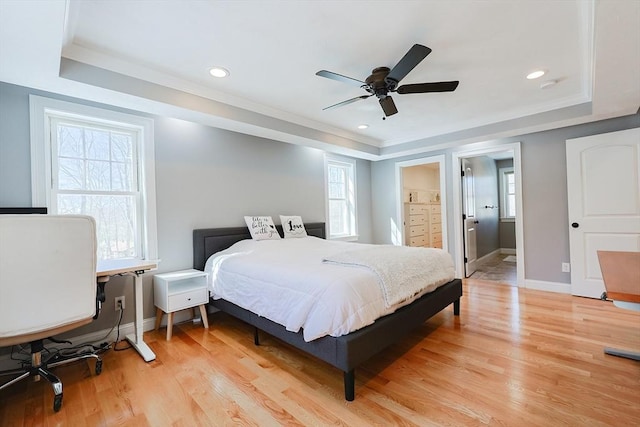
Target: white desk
(136, 268)
(621, 276)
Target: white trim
(96, 337)
(540, 285)
(352, 163)
(456, 158)
(40, 107)
(501, 251)
(40, 156)
(503, 193)
(397, 236)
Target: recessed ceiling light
(363, 126)
(218, 72)
(535, 74)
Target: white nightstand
(177, 291)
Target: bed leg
(256, 337)
(456, 307)
(349, 385)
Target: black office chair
(47, 287)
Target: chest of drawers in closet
(423, 224)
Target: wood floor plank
(514, 357)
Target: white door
(603, 186)
(469, 218)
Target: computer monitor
(19, 211)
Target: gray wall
(486, 189)
(507, 232)
(205, 177)
(544, 187)
(15, 152)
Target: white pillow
(261, 227)
(292, 226)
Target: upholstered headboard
(208, 241)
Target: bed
(345, 352)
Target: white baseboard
(98, 337)
(487, 256)
(501, 251)
(539, 285)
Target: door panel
(471, 251)
(610, 184)
(603, 187)
(469, 221)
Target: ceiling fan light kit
(384, 81)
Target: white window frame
(504, 196)
(43, 110)
(351, 191)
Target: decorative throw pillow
(292, 226)
(261, 227)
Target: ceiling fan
(383, 80)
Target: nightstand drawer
(187, 299)
(173, 290)
(177, 291)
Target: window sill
(353, 238)
(507, 220)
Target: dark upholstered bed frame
(345, 352)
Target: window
(469, 193)
(507, 193)
(341, 199)
(96, 162)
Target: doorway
(487, 216)
(603, 189)
(421, 203)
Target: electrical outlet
(119, 303)
(566, 267)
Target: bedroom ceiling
(155, 56)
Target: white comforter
(287, 282)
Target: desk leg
(136, 339)
(622, 353)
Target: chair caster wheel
(98, 367)
(57, 402)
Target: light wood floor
(513, 358)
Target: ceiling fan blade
(408, 62)
(348, 101)
(428, 87)
(339, 77)
(388, 106)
